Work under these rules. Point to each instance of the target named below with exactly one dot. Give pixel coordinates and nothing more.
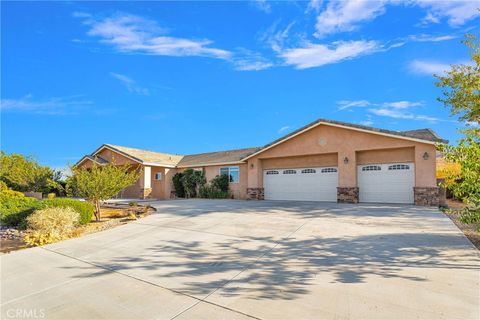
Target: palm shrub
(50, 225)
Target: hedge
(85, 209)
(14, 209)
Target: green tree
(461, 93)
(102, 182)
(192, 180)
(23, 173)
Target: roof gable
(422, 135)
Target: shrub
(209, 191)
(221, 182)
(50, 225)
(192, 180)
(178, 185)
(15, 207)
(51, 195)
(85, 209)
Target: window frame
(398, 167)
(308, 170)
(289, 171)
(372, 167)
(329, 170)
(229, 169)
(156, 175)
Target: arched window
(289, 171)
(329, 170)
(272, 172)
(309, 171)
(399, 167)
(371, 168)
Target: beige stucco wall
(349, 144)
(386, 156)
(238, 190)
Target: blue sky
(189, 77)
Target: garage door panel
(387, 183)
(309, 184)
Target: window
(158, 176)
(232, 172)
(272, 172)
(308, 171)
(329, 170)
(289, 171)
(399, 167)
(371, 168)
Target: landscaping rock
(9, 233)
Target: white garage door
(387, 183)
(309, 184)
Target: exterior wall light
(251, 165)
(345, 160)
(426, 156)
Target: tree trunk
(96, 203)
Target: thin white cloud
(134, 34)
(400, 114)
(52, 106)
(262, 5)
(314, 6)
(130, 84)
(342, 16)
(428, 67)
(316, 55)
(348, 15)
(347, 104)
(283, 129)
(367, 122)
(456, 12)
(247, 60)
(403, 104)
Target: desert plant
(178, 185)
(99, 183)
(84, 208)
(50, 225)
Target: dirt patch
(469, 230)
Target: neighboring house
(324, 161)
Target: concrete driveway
(226, 259)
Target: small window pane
(234, 176)
(289, 171)
(272, 172)
(399, 167)
(309, 171)
(224, 171)
(371, 168)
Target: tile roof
(148, 156)
(216, 157)
(237, 155)
(422, 134)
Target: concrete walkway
(227, 259)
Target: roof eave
(316, 124)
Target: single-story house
(325, 160)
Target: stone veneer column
(145, 193)
(255, 194)
(426, 196)
(347, 194)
